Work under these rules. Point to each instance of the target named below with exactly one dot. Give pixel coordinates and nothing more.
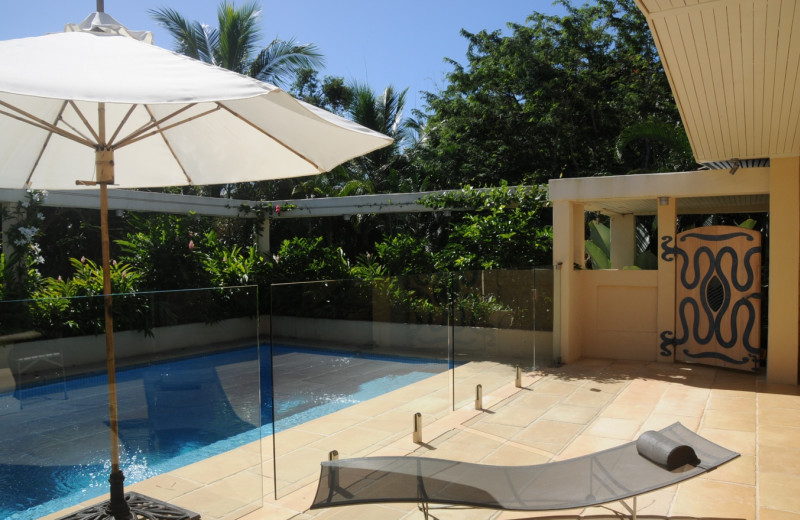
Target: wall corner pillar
(568, 250)
(784, 271)
(665, 320)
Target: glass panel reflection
(187, 393)
(354, 361)
(492, 330)
(372, 351)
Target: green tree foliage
(662, 147)
(306, 259)
(505, 228)
(546, 101)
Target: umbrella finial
(100, 7)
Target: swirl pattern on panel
(701, 318)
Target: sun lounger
(655, 460)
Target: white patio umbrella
(99, 105)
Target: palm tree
(234, 44)
(383, 113)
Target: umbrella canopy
(170, 120)
(100, 105)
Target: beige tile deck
(560, 413)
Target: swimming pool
(55, 450)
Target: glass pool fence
(447, 333)
(222, 390)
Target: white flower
(28, 232)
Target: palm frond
(190, 37)
(278, 62)
(238, 34)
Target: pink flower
(277, 209)
(191, 245)
(83, 259)
(114, 263)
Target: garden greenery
(498, 228)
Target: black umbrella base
(142, 508)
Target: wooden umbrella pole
(104, 164)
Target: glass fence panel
(544, 315)
(187, 389)
(352, 363)
(492, 331)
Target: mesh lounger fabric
(602, 477)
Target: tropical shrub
(306, 259)
(163, 249)
(403, 254)
(75, 306)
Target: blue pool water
(54, 450)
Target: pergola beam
(128, 200)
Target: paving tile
(766, 513)
(732, 404)
(707, 498)
(571, 414)
(778, 396)
(777, 436)
(467, 447)
(165, 487)
(779, 491)
(585, 444)
(613, 428)
(730, 420)
(292, 439)
(617, 410)
(738, 441)
(789, 417)
(590, 395)
(550, 386)
(217, 467)
(352, 442)
(548, 435)
(657, 421)
(741, 470)
(504, 431)
(514, 455)
(571, 411)
(784, 459)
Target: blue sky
(370, 41)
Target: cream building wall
(622, 314)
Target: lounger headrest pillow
(665, 452)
